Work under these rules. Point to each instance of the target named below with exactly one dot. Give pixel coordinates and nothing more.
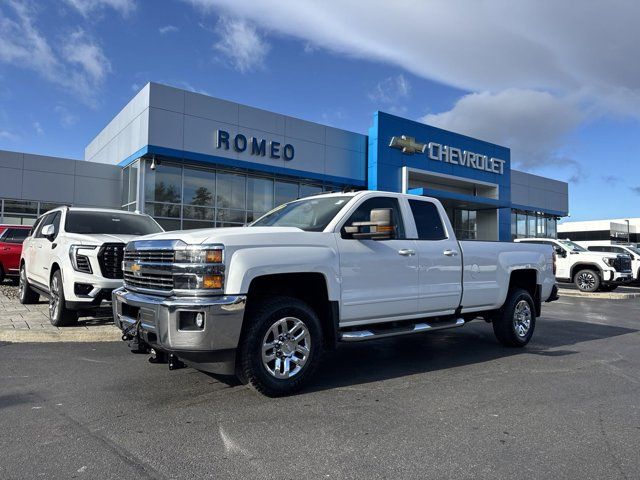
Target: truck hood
(596, 255)
(219, 235)
(98, 239)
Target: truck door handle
(406, 252)
(450, 253)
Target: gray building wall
(169, 117)
(538, 192)
(25, 176)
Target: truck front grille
(622, 264)
(149, 269)
(110, 260)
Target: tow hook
(175, 363)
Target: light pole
(628, 232)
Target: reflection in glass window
(133, 182)
(226, 215)
(125, 185)
(164, 184)
(162, 210)
(286, 192)
(259, 194)
(199, 187)
(198, 213)
(231, 190)
(20, 206)
(309, 190)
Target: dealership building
(610, 231)
(194, 161)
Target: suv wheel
(587, 280)
(516, 321)
(281, 347)
(59, 314)
(25, 294)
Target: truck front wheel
(515, 322)
(59, 314)
(587, 280)
(25, 294)
(281, 346)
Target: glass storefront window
(521, 225)
(226, 215)
(133, 182)
(197, 213)
(285, 192)
(259, 194)
(309, 190)
(230, 190)
(199, 187)
(162, 210)
(126, 172)
(514, 232)
(164, 184)
(532, 224)
(21, 206)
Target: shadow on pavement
(353, 364)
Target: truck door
(564, 260)
(439, 260)
(43, 250)
(379, 277)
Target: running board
(360, 335)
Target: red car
(11, 238)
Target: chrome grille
(149, 280)
(110, 260)
(158, 256)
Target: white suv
(632, 251)
(590, 271)
(74, 257)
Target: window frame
(445, 233)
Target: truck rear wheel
(281, 347)
(587, 280)
(25, 294)
(516, 320)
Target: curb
(84, 335)
(596, 295)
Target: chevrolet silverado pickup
(265, 301)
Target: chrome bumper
(619, 277)
(159, 323)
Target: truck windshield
(574, 247)
(635, 250)
(311, 215)
(110, 222)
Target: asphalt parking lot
(446, 405)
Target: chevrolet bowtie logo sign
(135, 268)
(448, 154)
(408, 145)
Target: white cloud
(67, 119)
(89, 7)
(38, 128)
(391, 90)
(8, 136)
(241, 45)
(75, 62)
(168, 29)
(533, 124)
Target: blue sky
(565, 98)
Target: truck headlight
(608, 261)
(199, 267)
(200, 254)
(80, 262)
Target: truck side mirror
(48, 232)
(561, 252)
(379, 227)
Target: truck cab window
(363, 213)
(428, 221)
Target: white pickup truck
(265, 301)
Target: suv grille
(154, 269)
(110, 260)
(622, 263)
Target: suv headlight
(79, 262)
(199, 267)
(608, 261)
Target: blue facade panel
(385, 162)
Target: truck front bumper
(612, 276)
(211, 348)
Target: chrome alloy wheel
(586, 281)
(522, 318)
(286, 347)
(22, 284)
(54, 299)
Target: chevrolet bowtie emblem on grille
(408, 145)
(135, 268)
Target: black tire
(608, 288)
(1, 274)
(25, 294)
(587, 280)
(59, 314)
(509, 326)
(267, 317)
